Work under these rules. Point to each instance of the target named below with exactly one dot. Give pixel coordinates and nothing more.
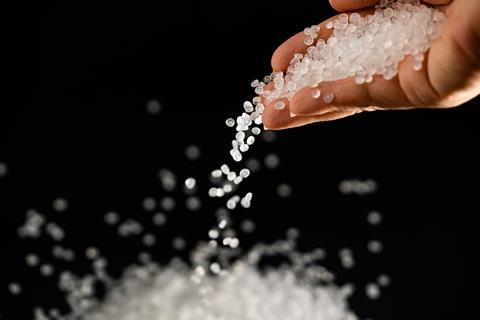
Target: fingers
(274, 119)
(278, 120)
(385, 94)
(349, 5)
(408, 89)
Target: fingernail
(265, 128)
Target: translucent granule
(213, 234)
(253, 164)
(231, 204)
(244, 173)
(159, 219)
(230, 122)
(15, 288)
(247, 226)
(190, 183)
(149, 240)
(372, 291)
(279, 105)
(212, 192)
(222, 224)
(292, 233)
(316, 93)
(216, 173)
(308, 40)
(240, 136)
(328, 97)
(215, 268)
(149, 204)
(167, 203)
(227, 187)
(192, 152)
(231, 176)
(245, 147)
(284, 190)
(153, 106)
(417, 65)
(179, 243)
(246, 203)
(250, 140)
(32, 260)
(60, 204)
(92, 253)
(272, 161)
(46, 270)
(225, 169)
(375, 246)
(383, 280)
(54, 313)
(219, 192)
(360, 79)
(259, 109)
(248, 106)
(256, 131)
(193, 203)
(168, 179)
(237, 157)
(111, 218)
(374, 218)
(3, 169)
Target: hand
(450, 75)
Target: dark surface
(79, 129)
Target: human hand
(450, 75)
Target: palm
(450, 76)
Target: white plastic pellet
(190, 183)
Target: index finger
(350, 5)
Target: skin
(450, 75)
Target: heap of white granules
(150, 293)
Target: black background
(78, 128)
